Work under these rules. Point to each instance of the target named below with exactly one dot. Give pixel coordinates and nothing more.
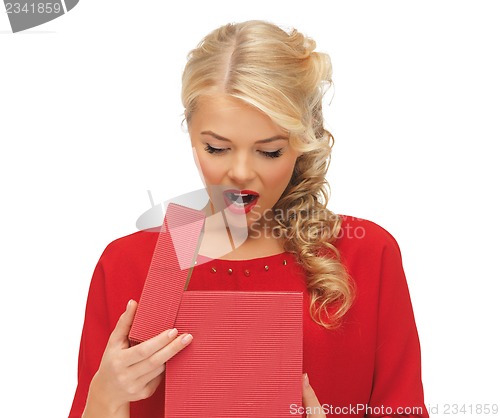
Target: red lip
(237, 207)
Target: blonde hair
(279, 73)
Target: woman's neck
(220, 242)
(254, 248)
(236, 242)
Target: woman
(252, 94)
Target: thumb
(309, 400)
(122, 329)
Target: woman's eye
(212, 150)
(219, 151)
(272, 154)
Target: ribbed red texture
(246, 356)
(168, 272)
(245, 359)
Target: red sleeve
(397, 385)
(95, 334)
(118, 277)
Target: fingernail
(306, 380)
(129, 303)
(187, 339)
(172, 333)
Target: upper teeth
(238, 198)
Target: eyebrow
(260, 141)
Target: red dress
(370, 366)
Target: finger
(160, 357)
(153, 375)
(169, 351)
(122, 328)
(151, 387)
(152, 379)
(310, 400)
(147, 348)
(147, 388)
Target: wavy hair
(278, 72)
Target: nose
(241, 169)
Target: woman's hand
(127, 373)
(309, 400)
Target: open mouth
(241, 199)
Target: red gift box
(245, 359)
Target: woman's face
(244, 158)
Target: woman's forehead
(228, 116)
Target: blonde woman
(252, 94)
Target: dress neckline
(245, 268)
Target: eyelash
(267, 154)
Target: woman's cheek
(280, 176)
(211, 171)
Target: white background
(90, 119)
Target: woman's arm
(128, 374)
(106, 362)
(397, 382)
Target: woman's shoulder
(363, 235)
(136, 245)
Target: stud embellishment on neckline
(246, 272)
